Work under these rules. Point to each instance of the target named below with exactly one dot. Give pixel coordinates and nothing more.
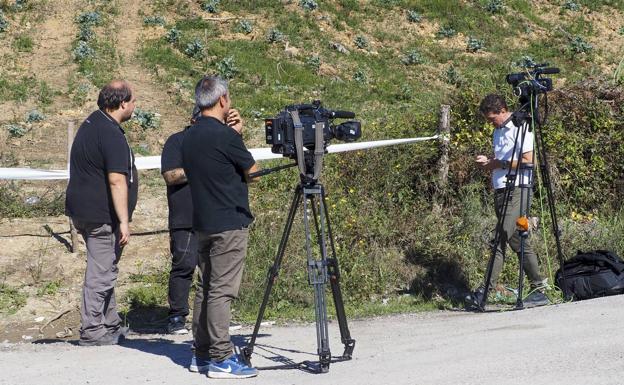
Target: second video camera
(280, 130)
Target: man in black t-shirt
(182, 241)
(217, 165)
(101, 196)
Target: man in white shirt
(495, 111)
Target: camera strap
(298, 140)
(319, 148)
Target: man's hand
(124, 233)
(483, 162)
(235, 121)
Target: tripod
(526, 118)
(312, 195)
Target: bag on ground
(592, 274)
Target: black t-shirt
(215, 159)
(99, 147)
(179, 195)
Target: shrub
(89, 18)
(314, 62)
(578, 45)
(361, 42)
(16, 130)
(146, 119)
(19, 5)
(210, 6)
(526, 61)
(154, 20)
(412, 57)
(495, 6)
(173, 35)
(34, 116)
(308, 5)
(413, 16)
(274, 36)
(245, 26)
(83, 51)
(4, 24)
(445, 32)
(85, 33)
(226, 68)
(571, 5)
(474, 44)
(195, 49)
(454, 77)
(360, 76)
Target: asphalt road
(575, 343)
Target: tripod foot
(349, 346)
(246, 354)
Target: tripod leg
(273, 272)
(523, 234)
(317, 276)
(334, 281)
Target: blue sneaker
(198, 364)
(233, 367)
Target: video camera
(530, 83)
(280, 130)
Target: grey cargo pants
(98, 312)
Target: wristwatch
(505, 164)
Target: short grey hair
(208, 91)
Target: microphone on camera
(342, 114)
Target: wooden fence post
(444, 132)
(70, 141)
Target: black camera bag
(592, 274)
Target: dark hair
(113, 94)
(492, 103)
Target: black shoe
(474, 300)
(537, 298)
(177, 325)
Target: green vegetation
(49, 288)
(18, 203)
(11, 299)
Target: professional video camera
(530, 83)
(280, 130)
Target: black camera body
(280, 130)
(531, 83)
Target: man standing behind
(494, 109)
(101, 196)
(182, 241)
(217, 165)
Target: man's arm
(251, 170)
(174, 177)
(119, 191)
(492, 163)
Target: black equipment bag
(592, 274)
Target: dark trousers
(509, 236)
(98, 311)
(221, 260)
(183, 246)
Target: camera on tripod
(531, 83)
(280, 130)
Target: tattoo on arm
(175, 176)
